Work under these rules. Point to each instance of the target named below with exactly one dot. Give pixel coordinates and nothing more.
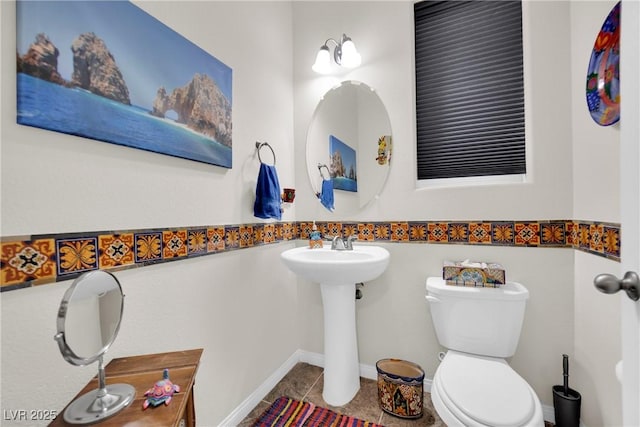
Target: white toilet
(474, 385)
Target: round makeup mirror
(349, 147)
(88, 322)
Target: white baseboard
(317, 359)
(245, 408)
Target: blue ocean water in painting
(344, 183)
(78, 112)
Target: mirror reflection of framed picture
(344, 172)
(107, 70)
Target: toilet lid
(486, 390)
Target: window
(469, 89)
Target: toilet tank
(483, 321)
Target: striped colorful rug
(287, 412)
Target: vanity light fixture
(344, 54)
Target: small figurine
(384, 149)
(162, 392)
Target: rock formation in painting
(200, 105)
(95, 69)
(41, 60)
(337, 166)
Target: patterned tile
(381, 231)
(350, 229)
(269, 233)
(572, 233)
(215, 239)
(418, 231)
(278, 231)
(25, 261)
(438, 232)
(366, 231)
(502, 233)
(232, 237)
(553, 234)
(584, 238)
(400, 231)
(596, 232)
(458, 232)
(305, 230)
(245, 234)
(116, 250)
(527, 233)
(257, 235)
(333, 229)
(288, 232)
(611, 241)
(174, 244)
(148, 246)
(480, 233)
(197, 241)
(76, 255)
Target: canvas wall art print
(109, 71)
(343, 165)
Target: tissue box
(466, 273)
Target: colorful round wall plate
(603, 75)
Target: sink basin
(324, 265)
(337, 272)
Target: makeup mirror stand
(88, 321)
(101, 402)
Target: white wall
(393, 319)
(596, 151)
(54, 183)
(383, 33)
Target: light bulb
(350, 56)
(323, 61)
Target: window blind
(469, 88)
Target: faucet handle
(337, 243)
(350, 240)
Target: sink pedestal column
(341, 365)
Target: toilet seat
(484, 391)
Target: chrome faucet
(337, 244)
(340, 244)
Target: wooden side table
(142, 372)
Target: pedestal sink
(337, 272)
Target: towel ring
(259, 145)
(320, 166)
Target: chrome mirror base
(99, 404)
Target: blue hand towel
(326, 196)
(268, 199)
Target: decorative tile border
(598, 238)
(33, 260)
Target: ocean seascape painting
(109, 71)
(343, 165)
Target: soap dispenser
(315, 239)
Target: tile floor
(304, 382)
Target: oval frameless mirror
(88, 322)
(349, 147)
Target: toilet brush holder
(566, 401)
(566, 406)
